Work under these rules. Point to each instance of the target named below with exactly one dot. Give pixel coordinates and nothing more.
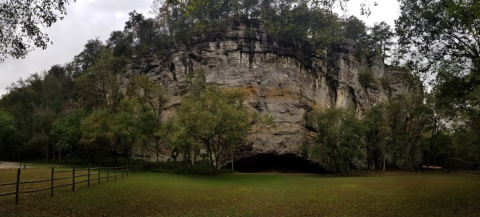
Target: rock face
(285, 81)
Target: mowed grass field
(159, 194)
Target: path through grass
(157, 194)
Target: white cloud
(120, 15)
(386, 10)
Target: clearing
(159, 194)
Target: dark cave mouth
(287, 163)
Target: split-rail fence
(93, 174)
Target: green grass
(158, 194)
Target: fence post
(51, 183)
(121, 168)
(99, 174)
(88, 176)
(127, 170)
(73, 179)
(115, 171)
(18, 186)
(108, 167)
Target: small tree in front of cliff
(217, 119)
(339, 137)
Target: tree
(99, 86)
(152, 97)
(121, 44)
(407, 119)
(21, 22)
(98, 133)
(66, 131)
(6, 128)
(436, 125)
(217, 119)
(339, 137)
(354, 29)
(91, 53)
(377, 135)
(449, 26)
(381, 37)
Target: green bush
(386, 85)
(175, 167)
(366, 78)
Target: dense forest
(79, 111)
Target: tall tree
(377, 135)
(449, 26)
(152, 97)
(66, 131)
(6, 127)
(86, 58)
(339, 137)
(381, 39)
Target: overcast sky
(88, 19)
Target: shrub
(386, 85)
(366, 78)
(175, 167)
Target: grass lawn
(158, 194)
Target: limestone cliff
(286, 81)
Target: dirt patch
(9, 165)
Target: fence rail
(93, 173)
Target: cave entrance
(287, 163)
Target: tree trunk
(368, 158)
(216, 165)
(46, 153)
(336, 163)
(143, 153)
(194, 159)
(384, 159)
(232, 159)
(212, 163)
(11, 150)
(156, 147)
(428, 160)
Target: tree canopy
(217, 119)
(21, 22)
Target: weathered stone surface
(284, 81)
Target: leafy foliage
(366, 78)
(381, 38)
(21, 22)
(67, 132)
(217, 119)
(449, 26)
(338, 138)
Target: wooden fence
(92, 175)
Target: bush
(366, 78)
(386, 85)
(175, 167)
